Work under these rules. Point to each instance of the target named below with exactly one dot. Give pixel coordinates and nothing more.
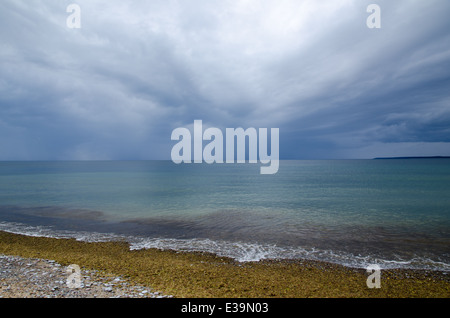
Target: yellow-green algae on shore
(191, 274)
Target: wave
(239, 251)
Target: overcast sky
(116, 87)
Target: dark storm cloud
(116, 88)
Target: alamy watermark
(374, 279)
(73, 21)
(213, 152)
(74, 279)
(374, 20)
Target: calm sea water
(394, 213)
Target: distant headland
(423, 157)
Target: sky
(117, 86)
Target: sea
(394, 213)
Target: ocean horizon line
(282, 159)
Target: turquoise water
(395, 213)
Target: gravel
(40, 278)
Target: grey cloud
(136, 70)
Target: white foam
(48, 231)
(242, 252)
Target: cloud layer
(135, 70)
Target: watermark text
(235, 138)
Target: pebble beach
(36, 267)
(39, 278)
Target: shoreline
(204, 275)
(237, 250)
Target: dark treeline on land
(432, 157)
